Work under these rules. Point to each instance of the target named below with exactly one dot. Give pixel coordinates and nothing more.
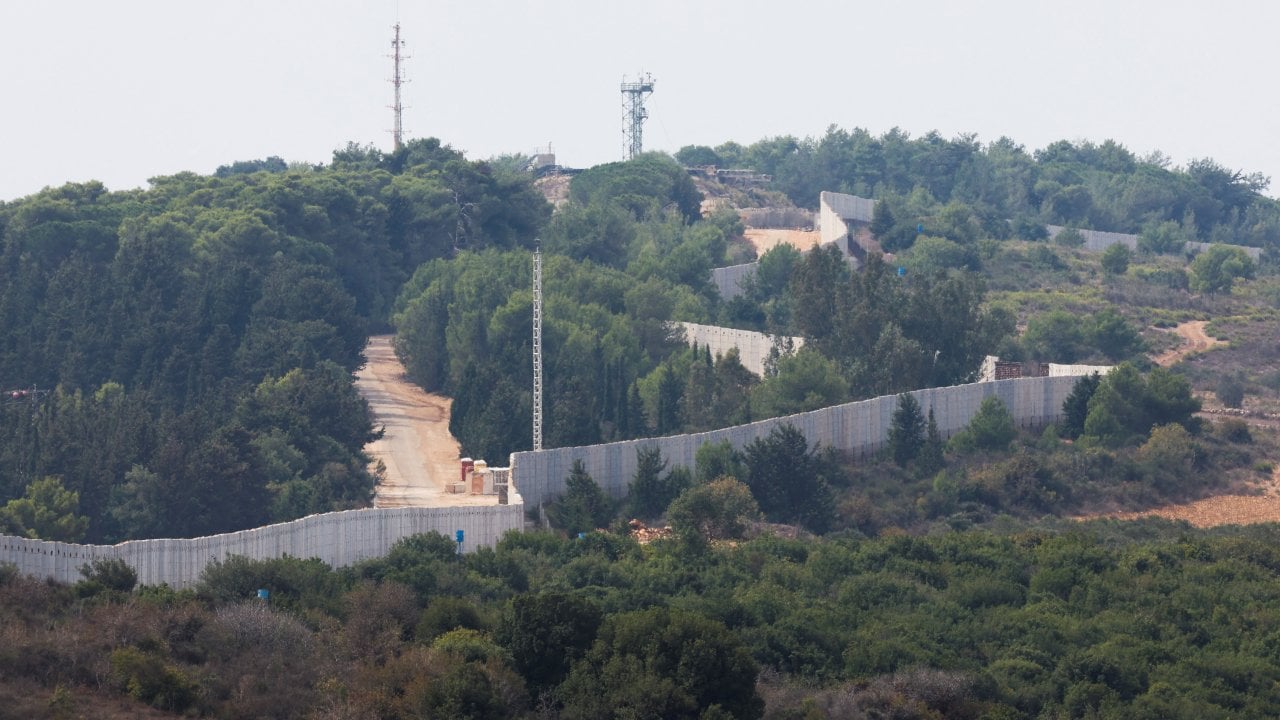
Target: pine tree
(906, 433)
(649, 495)
(931, 459)
(583, 506)
(1076, 407)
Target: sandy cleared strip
(765, 239)
(416, 448)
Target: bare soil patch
(416, 449)
(765, 239)
(1222, 509)
(1195, 340)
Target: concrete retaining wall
(753, 347)
(858, 427)
(339, 539)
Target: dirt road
(1196, 340)
(419, 453)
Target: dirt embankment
(418, 452)
(1195, 339)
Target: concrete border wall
(1096, 240)
(338, 538)
(792, 217)
(1254, 253)
(753, 347)
(728, 280)
(859, 427)
(344, 538)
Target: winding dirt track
(1196, 341)
(416, 448)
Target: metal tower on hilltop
(634, 114)
(537, 349)
(397, 79)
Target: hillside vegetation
(1107, 620)
(178, 361)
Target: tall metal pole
(537, 349)
(397, 132)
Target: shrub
(147, 678)
(1069, 237)
(715, 511)
(1234, 430)
(445, 614)
(1216, 269)
(1230, 390)
(991, 428)
(1115, 259)
(111, 574)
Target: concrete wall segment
(859, 428)
(339, 539)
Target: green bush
(1115, 259)
(1230, 390)
(1069, 237)
(991, 428)
(149, 679)
(111, 574)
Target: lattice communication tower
(537, 349)
(397, 79)
(634, 114)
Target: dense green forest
(190, 346)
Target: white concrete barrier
(753, 347)
(859, 428)
(344, 538)
(338, 538)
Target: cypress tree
(906, 433)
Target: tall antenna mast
(634, 114)
(537, 349)
(397, 132)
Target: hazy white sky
(125, 90)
